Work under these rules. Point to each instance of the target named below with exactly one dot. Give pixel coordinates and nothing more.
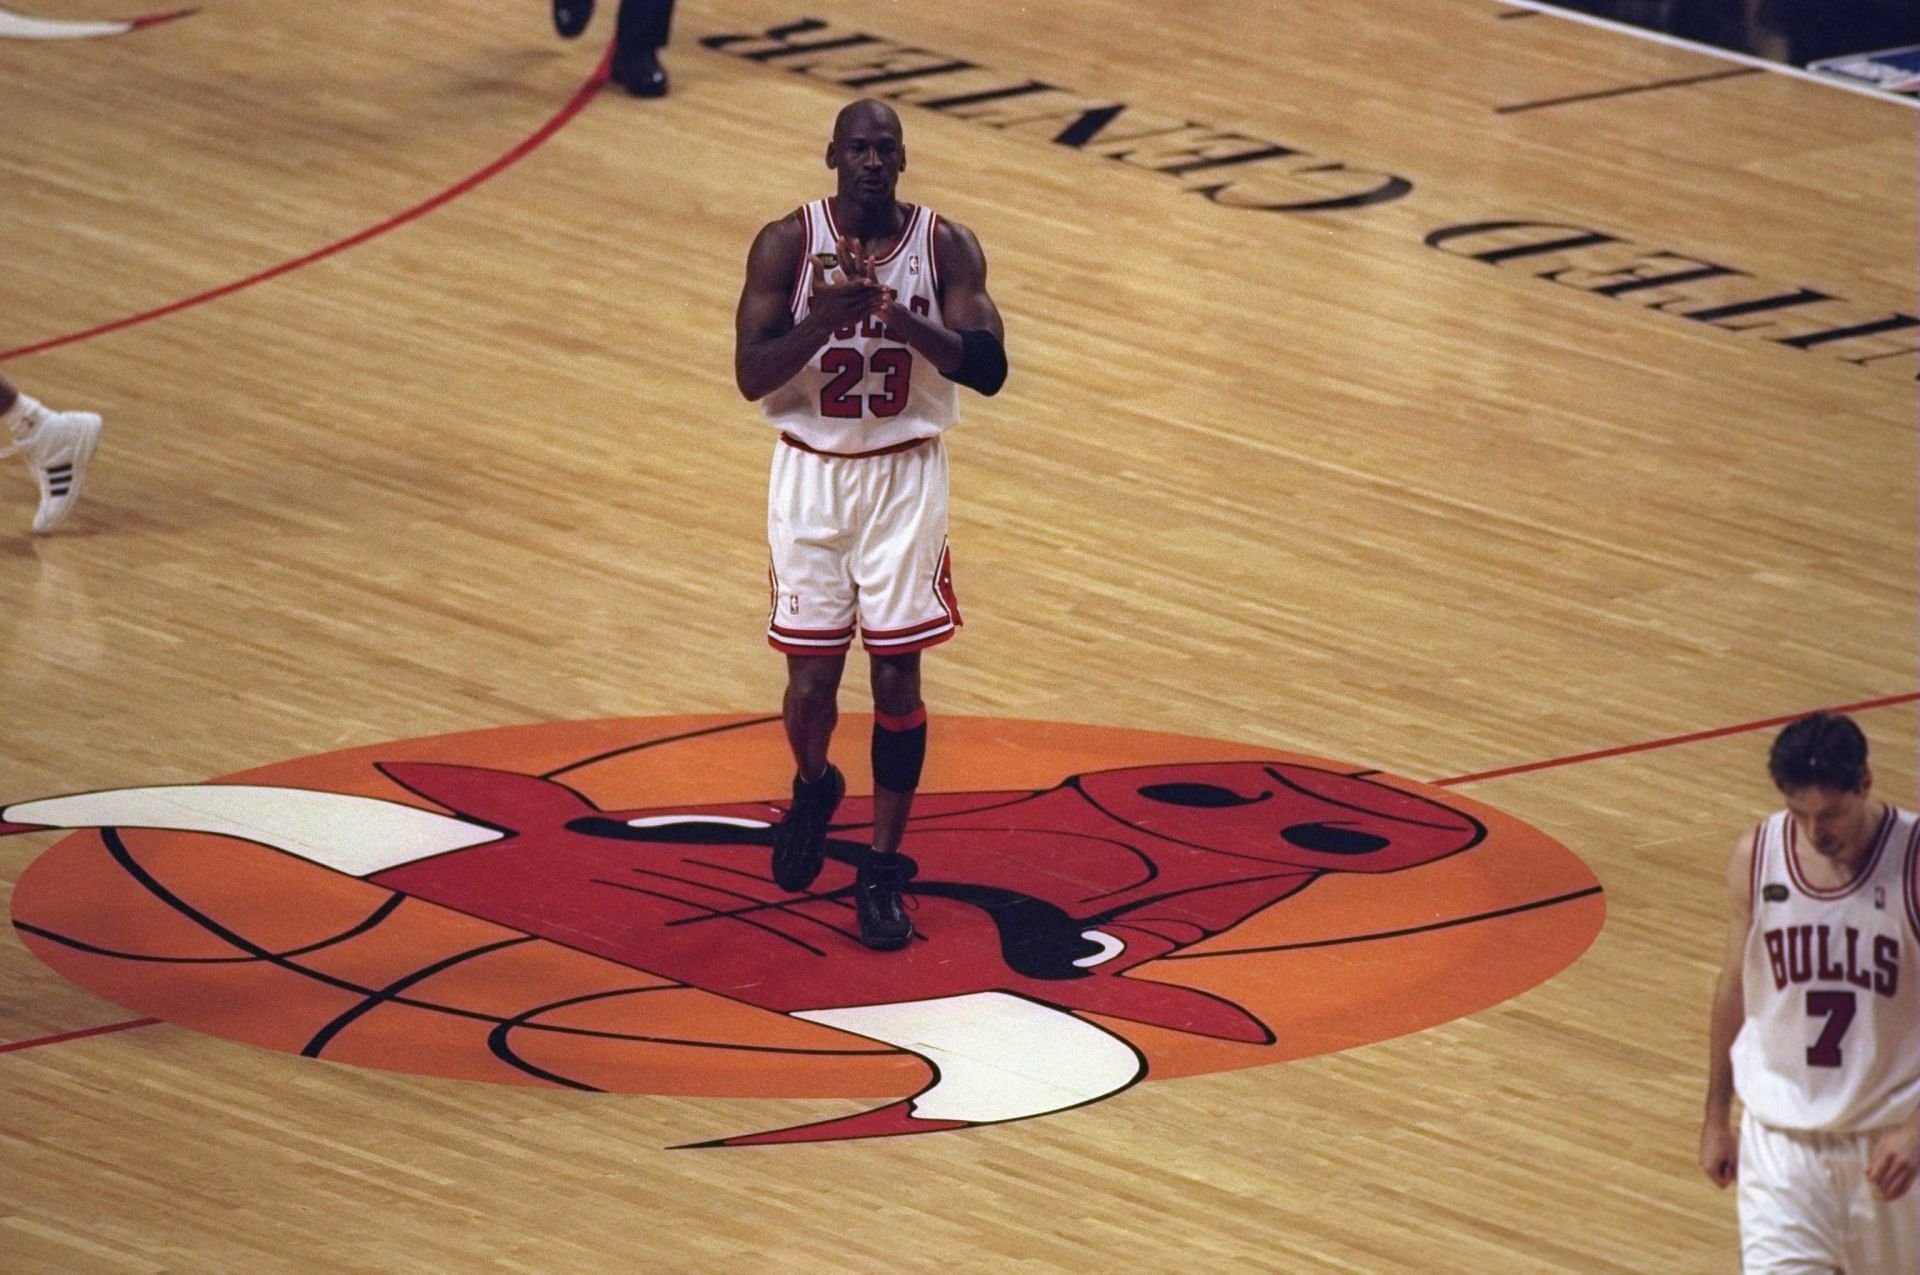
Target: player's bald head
(869, 112)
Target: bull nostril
(1199, 796)
(1327, 838)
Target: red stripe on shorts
(907, 446)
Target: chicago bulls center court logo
(588, 905)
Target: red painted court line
(79, 1035)
(532, 143)
(1647, 746)
(155, 19)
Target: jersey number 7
(1839, 1009)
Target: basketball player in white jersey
(860, 318)
(1816, 1021)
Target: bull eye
(1203, 796)
(1327, 838)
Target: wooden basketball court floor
(1386, 388)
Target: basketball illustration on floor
(588, 905)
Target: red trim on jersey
(1789, 840)
(1756, 860)
(1912, 868)
(1880, 838)
(893, 249)
(887, 721)
(803, 276)
(914, 212)
(933, 257)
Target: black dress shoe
(570, 17)
(640, 73)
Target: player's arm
(769, 347)
(971, 347)
(1893, 1162)
(1719, 1142)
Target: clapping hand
(858, 264)
(854, 296)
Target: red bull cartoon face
(1300, 816)
(1057, 921)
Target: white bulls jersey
(865, 390)
(1831, 1041)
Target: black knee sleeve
(898, 755)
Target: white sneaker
(57, 450)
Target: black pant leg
(643, 24)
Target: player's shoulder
(958, 249)
(778, 246)
(788, 225)
(951, 233)
(1741, 863)
(1904, 841)
(1752, 843)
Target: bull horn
(19, 26)
(352, 834)
(995, 1057)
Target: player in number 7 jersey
(1816, 1020)
(860, 318)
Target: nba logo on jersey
(913, 264)
(1880, 897)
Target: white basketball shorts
(1806, 1207)
(859, 542)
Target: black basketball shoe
(800, 840)
(639, 72)
(570, 17)
(880, 903)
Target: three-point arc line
(1884, 701)
(575, 104)
(81, 1034)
